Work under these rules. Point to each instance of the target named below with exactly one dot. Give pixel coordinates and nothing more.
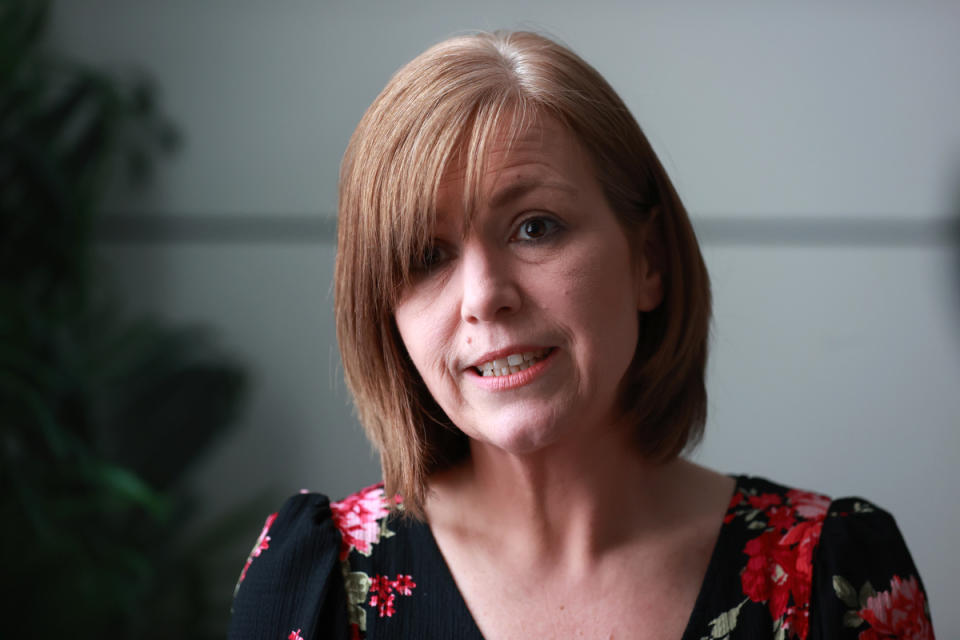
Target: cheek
(421, 329)
(600, 296)
(594, 285)
(411, 332)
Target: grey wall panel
(789, 109)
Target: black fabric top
(787, 564)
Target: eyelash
(552, 228)
(436, 254)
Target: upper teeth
(512, 363)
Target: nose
(489, 285)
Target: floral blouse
(788, 564)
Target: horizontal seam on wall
(711, 230)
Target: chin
(522, 439)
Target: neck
(571, 502)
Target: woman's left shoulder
(858, 532)
(865, 578)
(827, 568)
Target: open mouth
(513, 363)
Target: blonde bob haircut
(443, 109)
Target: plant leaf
(128, 486)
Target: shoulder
(856, 525)
(291, 584)
(823, 566)
(301, 527)
(314, 566)
(762, 492)
(866, 580)
(360, 518)
(767, 516)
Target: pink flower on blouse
(897, 613)
(809, 505)
(295, 635)
(357, 517)
(261, 545)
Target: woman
(522, 313)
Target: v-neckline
(690, 631)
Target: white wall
(816, 146)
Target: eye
(536, 228)
(433, 255)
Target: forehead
(544, 153)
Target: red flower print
(295, 635)
(779, 570)
(764, 500)
(760, 573)
(357, 517)
(897, 613)
(735, 501)
(404, 585)
(805, 535)
(261, 545)
(781, 517)
(382, 589)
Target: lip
(513, 380)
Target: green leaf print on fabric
(357, 585)
(723, 624)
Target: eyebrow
(523, 186)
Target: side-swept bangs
(444, 110)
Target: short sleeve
(866, 586)
(291, 587)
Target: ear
(648, 267)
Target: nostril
(489, 286)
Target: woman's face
(523, 325)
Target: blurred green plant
(101, 414)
